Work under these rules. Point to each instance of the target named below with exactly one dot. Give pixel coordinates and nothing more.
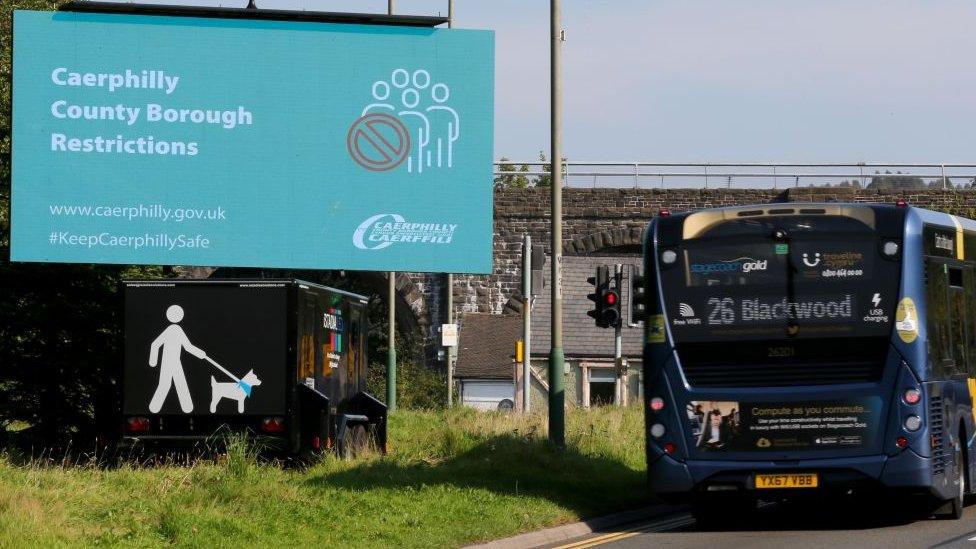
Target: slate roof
(486, 346)
(581, 337)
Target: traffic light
(599, 282)
(611, 301)
(638, 303)
(605, 298)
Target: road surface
(794, 525)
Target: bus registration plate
(805, 480)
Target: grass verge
(451, 478)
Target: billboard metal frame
(255, 13)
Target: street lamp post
(557, 420)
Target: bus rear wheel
(952, 509)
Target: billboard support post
(557, 420)
(450, 276)
(450, 348)
(391, 347)
(527, 323)
(391, 320)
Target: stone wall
(597, 221)
(601, 219)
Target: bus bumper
(905, 471)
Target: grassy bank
(451, 478)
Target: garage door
(487, 395)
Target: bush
(418, 387)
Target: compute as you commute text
(810, 349)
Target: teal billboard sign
(219, 142)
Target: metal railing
(775, 175)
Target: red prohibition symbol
(378, 142)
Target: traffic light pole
(618, 342)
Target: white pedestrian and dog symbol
(173, 341)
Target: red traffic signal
(605, 297)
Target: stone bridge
(596, 221)
(611, 221)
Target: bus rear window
(803, 276)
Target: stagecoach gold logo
(763, 443)
(906, 320)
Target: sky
(721, 81)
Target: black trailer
(284, 359)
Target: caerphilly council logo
(383, 230)
(409, 119)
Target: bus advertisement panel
(234, 142)
(781, 426)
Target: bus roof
(698, 222)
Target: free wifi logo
(685, 310)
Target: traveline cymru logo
(739, 264)
(382, 230)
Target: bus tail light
(912, 396)
(657, 430)
(669, 448)
(657, 404)
(902, 203)
(901, 442)
(664, 212)
(913, 423)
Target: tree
(881, 182)
(546, 180)
(517, 179)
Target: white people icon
(406, 95)
(173, 340)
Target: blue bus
(801, 349)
